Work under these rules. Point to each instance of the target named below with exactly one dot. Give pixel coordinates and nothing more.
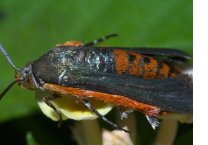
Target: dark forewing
(172, 94)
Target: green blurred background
(30, 28)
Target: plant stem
(167, 132)
(87, 132)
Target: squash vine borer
(148, 80)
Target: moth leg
(91, 108)
(46, 100)
(94, 42)
(153, 121)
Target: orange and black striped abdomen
(128, 62)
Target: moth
(81, 81)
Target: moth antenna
(8, 58)
(8, 87)
(99, 40)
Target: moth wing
(171, 94)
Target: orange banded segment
(164, 71)
(121, 61)
(109, 98)
(134, 67)
(150, 68)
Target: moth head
(23, 76)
